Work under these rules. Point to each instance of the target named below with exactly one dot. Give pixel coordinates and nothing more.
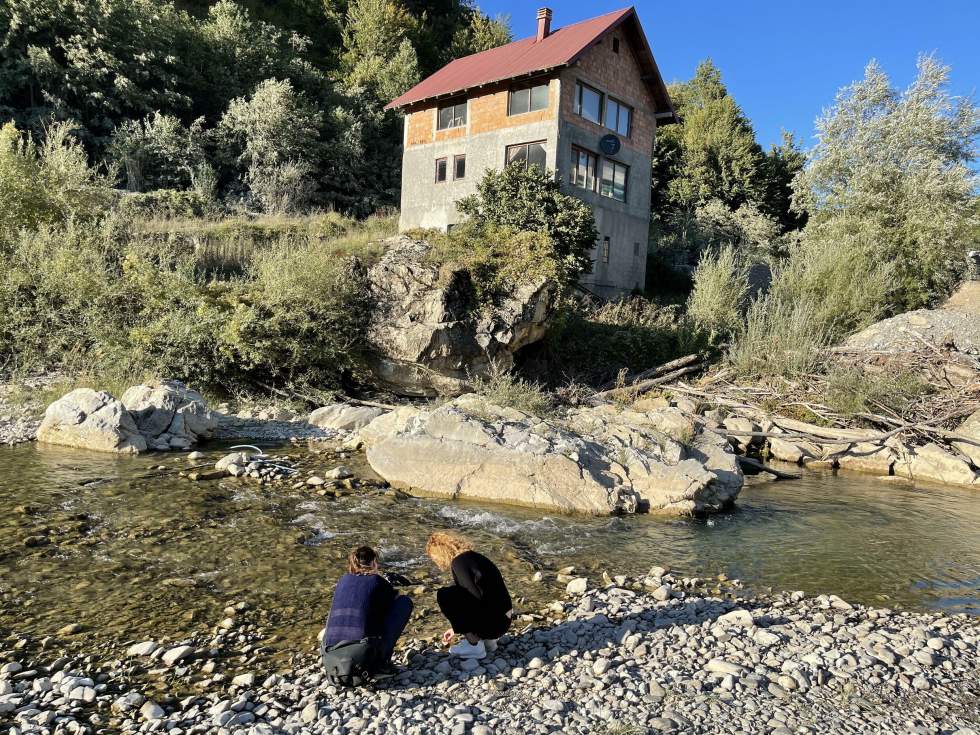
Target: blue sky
(784, 60)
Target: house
(583, 101)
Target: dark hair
(361, 560)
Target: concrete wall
(484, 140)
(626, 224)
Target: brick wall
(487, 112)
(618, 75)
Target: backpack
(351, 663)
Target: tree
(481, 34)
(891, 173)
(273, 138)
(378, 54)
(531, 200)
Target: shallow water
(137, 553)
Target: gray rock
(88, 419)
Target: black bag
(351, 663)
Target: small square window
(605, 250)
(442, 169)
(615, 45)
(459, 167)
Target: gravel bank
(638, 656)
(20, 414)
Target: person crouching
(366, 606)
(477, 604)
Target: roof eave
(396, 105)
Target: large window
(452, 115)
(618, 116)
(613, 182)
(528, 154)
(584, 168)
(527, 99)
(442, 168)
(588, 102)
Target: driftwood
(653, 372)
(755, 464)
(643, 386)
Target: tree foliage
(891, 174)
(531, 200)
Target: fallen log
(654, 371)
(647, 385)
(755, 464)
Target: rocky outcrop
(933, 463)
(164, 415)
(971, 430)
(89, 419)
(344, 416)
(169, 415)
(429, 336)
(591, 460)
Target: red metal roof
(528, 56)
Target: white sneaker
(490, 644)
(465, 649)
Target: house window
(615, 45)
(605, 250)
(613, 182)
(528, 154)
(584, 168)
(588, 102)
(459, 167)
(618, 116)
(527, 99)
(636, 250)
(452, 115)
(441, 169)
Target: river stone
(737, 618)
(577, 586)
(971, 430)
(866, 457)
(178, 653)
(795, 451)
(933, 463)
(152, 711)
(344, 416)
(721, 666)
(89, 419)
(425, 337)
(169, 413)
(469, 448)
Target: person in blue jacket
(366, 605)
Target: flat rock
(344, 416)
(933, 463)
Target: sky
(784, 60)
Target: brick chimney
(544, 23)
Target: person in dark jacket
(366, 605)
(477, 604)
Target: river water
(130, 551)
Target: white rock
(152, 711)
(737, 619)
(577, 586)
(146, 648)
(178, 653)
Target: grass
(228, 246)
(502, 388)
(852, 390)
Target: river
(131, 551)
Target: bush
(592, 344)
(164, 204)
(158, 152)
(721, 286)
(531, 200)
(46, 184)
(781, 337)
(852, 389)
(502, 388)
(91, 298)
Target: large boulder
(169, 415)
(429, 335)
(344, 416)
(933, 463)
(971, 430)
(90, 419)
(591, 460)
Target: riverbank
(618, 659)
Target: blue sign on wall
(609, 144)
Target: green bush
(781, 337)
(164, 204)
(502, 388)
(721, 286)
(530, 200)
(92, 298)
(47, 183)
(852, 389)
(592, 344)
